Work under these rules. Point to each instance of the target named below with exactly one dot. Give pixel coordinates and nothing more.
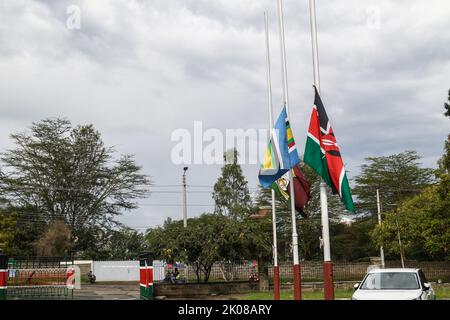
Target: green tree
(126, 244)
(7, 227)
(60, 172)
(423, 223)
(398, 177)
(231, 194)
(208, 239)
(350, 242)
(24, 239)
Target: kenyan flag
(323, 155)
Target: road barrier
(20, 280)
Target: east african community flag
(302, 189)
(281, 155)
(323, 155)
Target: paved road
(110, 291)
(107, 292)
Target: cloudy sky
(140, 69)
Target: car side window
(422, 278)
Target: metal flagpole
(296, 266)
(276, 269)
(379, 222)
(327, 263)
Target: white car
(394, 284)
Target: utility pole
(402, 254)
(184, 198)
(379, 222)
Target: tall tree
(62, 172)
(231, 194)
(56, 241)
(398, 177)
(126, 244)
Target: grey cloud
(140, 69)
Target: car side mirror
(356, 286)
(426, 286)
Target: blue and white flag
(281, 155)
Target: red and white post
(327, 263)
(328, 283)
(296, 262)
(70, 278)
(146, 277)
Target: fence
(311, 271)
(38, 262)
(39, 278)
(158, 270)
(433, 270)
(220, 271)
(226, 271)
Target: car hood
(387, 294)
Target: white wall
(124, 270)
(116, 270)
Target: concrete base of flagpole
(297, 282)
(328, 282)
(276, 283)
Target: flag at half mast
(281, 155)
(302, 189)
(323, 155)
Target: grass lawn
(289, 295)
(441, 294)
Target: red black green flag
(323, 155)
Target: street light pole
(184, 198)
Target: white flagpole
(276, 270)
(296, 266)
(328, 266)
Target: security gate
(35, 279)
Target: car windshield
(391, 281)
